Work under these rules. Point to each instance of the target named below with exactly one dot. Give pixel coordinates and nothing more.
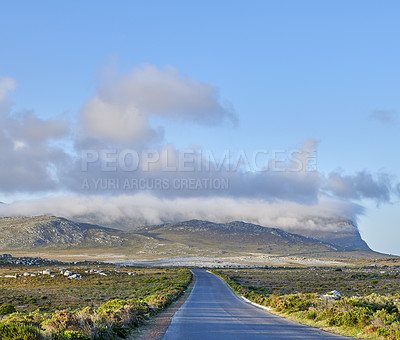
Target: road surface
(213, 311)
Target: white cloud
(291, 181)
(27, 161)
(115, 121)
(378, 187)
(18, 144)
(26, 125)
(171, 165)
(6, 84)
(120, 110)
(130, 211)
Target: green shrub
(120, 330)
(290, 304)
(111, 306)
(7, 309)
(18, 331)
(375, 302)
(74, 335)
(356, 317)
(382, 317)
(103, 332)
(382, 331)
(311, 314)
(118, 317)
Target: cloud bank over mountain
(131, 211)
(118, 168)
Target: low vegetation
(104, 302)
(368, 305)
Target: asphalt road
(213, 311)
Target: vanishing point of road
(213, 311)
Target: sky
(275, 112)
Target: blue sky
(289, 71)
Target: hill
(234, 237)
(339, 232)
(59, 236)
(54, 232)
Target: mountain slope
(234, 237)
(48, 231)
(340, 232)
(190, 238)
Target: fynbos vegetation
(368, 306)
(83, 301)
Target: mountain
(234, 237)
(56, 235)
(54, 232)
(339, 232)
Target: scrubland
(106, 302)
(368, 305)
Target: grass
(368, 308)
(96, 306)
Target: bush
(110, 307)
(18, 331)
(311, 314)
(375, 302)
(290, 304)
(356, 317)
(382, 317)
(61, 321)
(7, 309)
(74, 335)
(117, 317)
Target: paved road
(212, 311)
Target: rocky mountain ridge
(49, 231)
(235, 236)
(168, 239)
